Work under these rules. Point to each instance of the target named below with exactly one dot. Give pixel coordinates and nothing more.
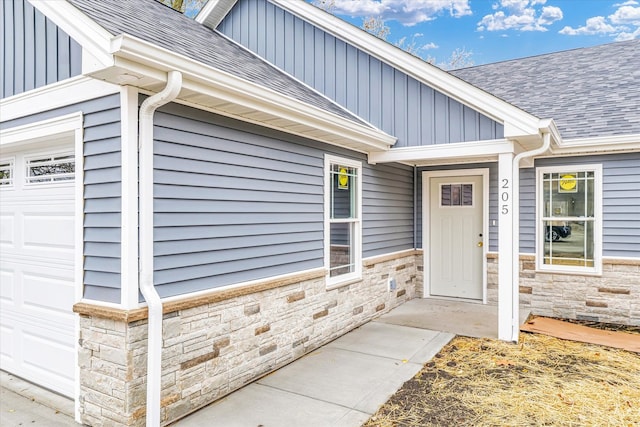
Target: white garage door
(37, 266)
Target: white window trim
(597, 222)
(356, 275)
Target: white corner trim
(78, 135)
(517, 122)
(78, 26)
(42, 130)
(207, 80)
(60, 94)
(461, 150)
(129, 213)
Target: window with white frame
(50, 168)
(6, 172)
(570, 218)
(343, 211)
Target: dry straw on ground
(541, 381)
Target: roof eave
(145, 65)
(214, 11)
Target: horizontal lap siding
(235, 202)
(35, 52)
(387, 209)
(620, 200)
(231, 206)
(398, 104)
(103, 203)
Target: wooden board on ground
(573, 332)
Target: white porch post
(505, 246)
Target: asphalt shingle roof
(156, 23)
(589, 92)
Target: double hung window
(569, 218)
(343, 212)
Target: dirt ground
(541, 381)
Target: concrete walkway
(341, 384)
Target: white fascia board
(516, 122)
(463, 150)
(208, 80)
(91, 36)
(214, 11)
(65, 92)
(598, 144)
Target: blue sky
(500, 29)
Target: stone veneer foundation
(218, 342)
(613, 297)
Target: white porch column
(505, 246)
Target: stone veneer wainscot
(613, 297)
(218, 342)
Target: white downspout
(145, 146)
(515, 314)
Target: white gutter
(515, 305)
(154, 338)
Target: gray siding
(102, 192)
(389, 99)
(620, 202)
(235, 202)
(35, 52)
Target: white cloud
(430, 45)
(626, 15)
(407, 12)
(623, 24)
(595, 25)
(521, 15)
(623, 36)
(627, 3)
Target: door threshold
(454, 299)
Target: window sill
(333, 284)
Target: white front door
(455, 236)
(37, 325)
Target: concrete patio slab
(260, 405)
(386, 340)
(461, 318)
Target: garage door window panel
(7, 172)
(47, 169)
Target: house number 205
(504, 196)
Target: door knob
(479, 244)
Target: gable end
(35, 52)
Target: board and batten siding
(387, 98)
(35, 52)
(102, 192)
(620, 202)
(235, 202)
